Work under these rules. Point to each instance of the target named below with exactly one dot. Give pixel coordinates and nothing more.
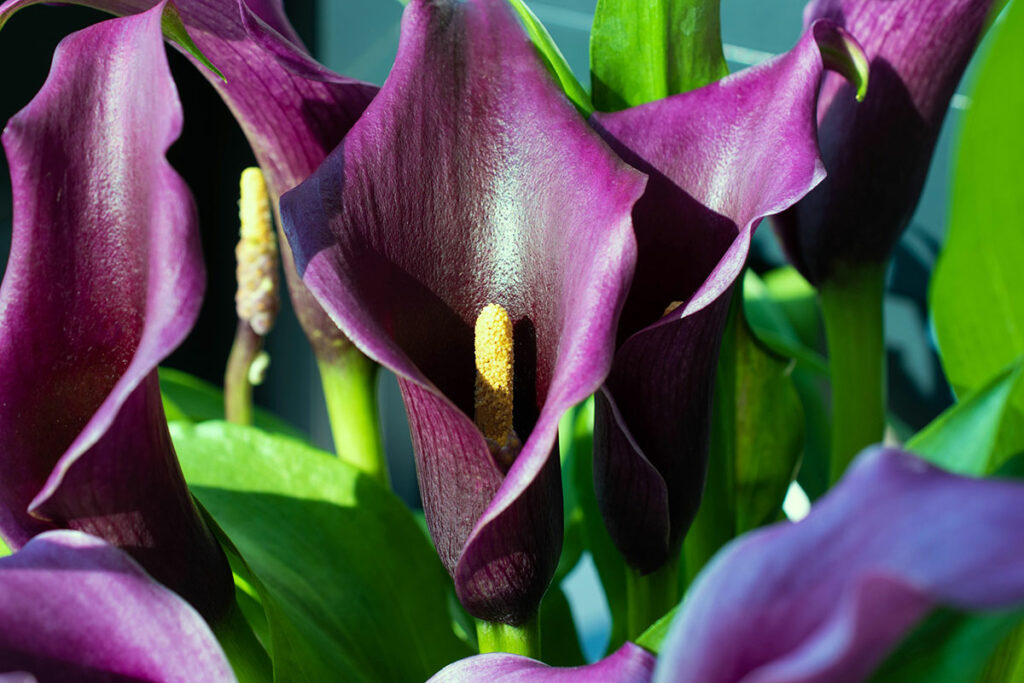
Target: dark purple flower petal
(471, 180)
(877, 151)
(105, 278)
(629, 664)
(719, 160)
(291, 119)
(827, 598)
(77, 609)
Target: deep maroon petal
(629, 664)
(291, 119)
(105, 279)
(471, 180)
(827, 598)
(77, 609)
(719, 160)
(877, 152)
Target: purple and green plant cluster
(558, 278)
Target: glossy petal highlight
(471, 180)
(827, 598)
(105, 279)
(77, 609)
(629, 664)
(719, 160)
(877, 152)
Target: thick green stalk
(237, 386)
(350, 389)
(518, 640)
(852, 309)
(650, 596)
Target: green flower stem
(518, 640)
(852, 308)
(350, 389)
(237, 387)
(650, 596)
(245, 653)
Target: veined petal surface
(105, 279)
(292, 110)
(77, 609)
(877, 152)
(719, 160)
(471, 180)
(826, 599)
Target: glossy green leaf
(976, 290)
(329, 550)
(756, 443)
(948, 646)
(645, 50)
(978, 434)
(189, 398)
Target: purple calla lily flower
(827, 598)
(292, 110)
(629, 664)
(877, 152)
(105, 278)
(470, 180)
(720, 159)
(77, 609)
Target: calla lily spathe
(105, 279)
(292, 110)
(629, 664)
(827, 598)
(719, 159)
(471, 180)
(77, 609)
(877, 152)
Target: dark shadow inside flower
(872, 187)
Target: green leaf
(976, 290)
(351, 587)
(553, 58)
(652, 639)
(174, 31)
(646, 50)
(948, 646)
(1007, 662)
(978, 434)
(190, 398)
(782, 309)
(756, 443)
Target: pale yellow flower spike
(494, 365)
(256, 298)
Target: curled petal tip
(842, 53)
